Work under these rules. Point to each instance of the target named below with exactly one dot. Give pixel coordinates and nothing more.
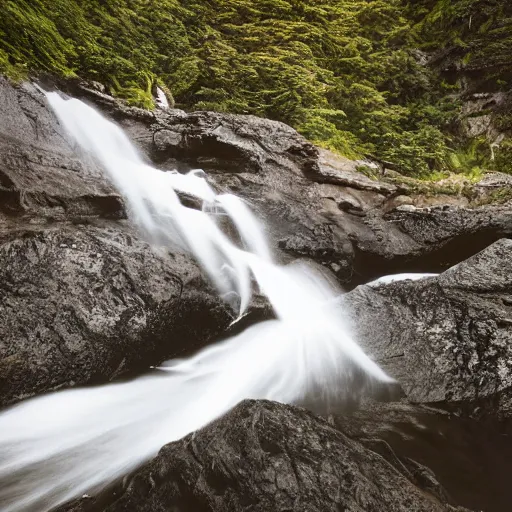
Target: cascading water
(393, 278)
(161, 98)
(64, 444)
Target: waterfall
(161, 98)
(59, 446)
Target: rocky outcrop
(316, 205)
(337, 170)
(430, 239)
(446, 338)
(266, 456)
(86, 304)
(42, 175)
(83, 299)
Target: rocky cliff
(317, 205)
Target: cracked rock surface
(316, 205)
(264, 456)
(445, 338)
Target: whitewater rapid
(62, 445)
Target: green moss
(503, 158)
(498, 196)
(436, 184)
(471, 158)
(16, 72)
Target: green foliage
(133, 93)
(345, 73)
(471, 158)
(121, 43)
(503, 158)
(30, 37)
(422, 150)
(476, 35)
(479, 31)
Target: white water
(64, 444)
(400, 277)
(161, 98)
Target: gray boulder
(265, 456)
(447, 338)
(86, 304)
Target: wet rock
(446, 338)
(337, 170)
(315, 204)
(229, 143)
(431, 239)
(86, 304)
(266, 456)
(41, 172)
(459, 458)
(83, 299)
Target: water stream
(59, 446)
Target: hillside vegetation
(350, 75)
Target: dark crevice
(370, 266)
(470, 458)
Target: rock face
(431, 239)
(41, 174)
(84, 304)
(316, 205)
(266, 456)
(82, 298)
(447, 338)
